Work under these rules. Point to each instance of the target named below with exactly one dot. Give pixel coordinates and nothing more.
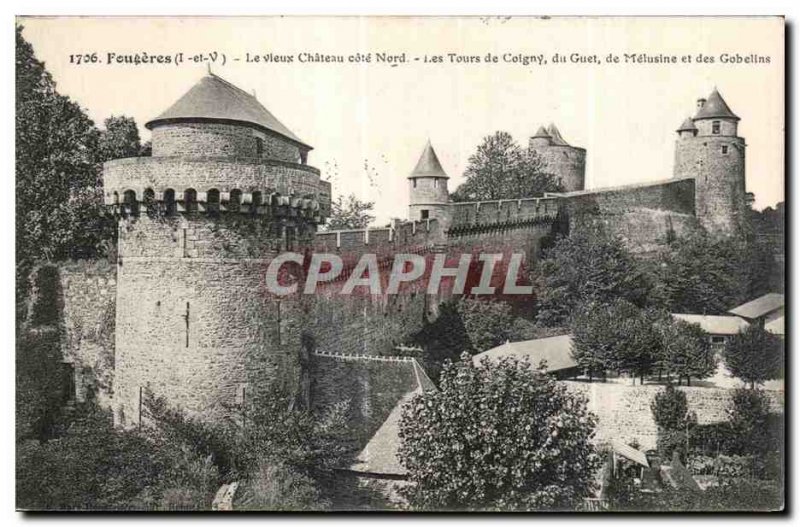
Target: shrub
(674, 422)
(497, 436)
(276, 487)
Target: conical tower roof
(428, 164)
(542, 132)
(215, 99)
(556, 135)
(687, 126)
(715, 107)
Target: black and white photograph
(400, 264)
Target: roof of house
(629, 452)
(775, 326)
(555, 351)
(379, 455)
(428, 164)
(760, 306)
(553, 132)
(715, 106)
(714, 324)
(214, 98)
(541, 132)
(688, 125)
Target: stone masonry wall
(220, 140)
(624, 411)
(225, 175)
(568, 163)
(88, 290)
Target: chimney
(700, 103)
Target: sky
(368, 122)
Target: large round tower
(226, 190)
(427, 186)
(709, 150)
(565, 161)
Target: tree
(589, 266)
(754, 355)
(685, 351)
(350, 213)
(703, 274)
(674, 421)
(500, 169)
(56, 171)
(465, 325)
(119, 139)
(497, 436)
(750, 424)
(618, 336)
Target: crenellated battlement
(412, 236)
(500, 215)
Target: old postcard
(400, 263)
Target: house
(762, 310)
(719, 327)
(555, 352)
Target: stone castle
(184, 312)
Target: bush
(276, 487)
(750, 423)
(497, 436)
(674, 422)
(736, 495)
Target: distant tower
(709, 150)
(226, 190)
(427, 186)
(566, 162)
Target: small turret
(561, 159)
(428, 188)
(541, 138)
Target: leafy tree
(119, 139)
(674, 422)
(589, 266)
(466, 324)
(497, 436)
(56, 165)
(350, 213)
(618, 336)
(500, 169)
(749, 423)
(754, 355)
(704, 274)
(685, 351)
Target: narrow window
(212, 200)
(129, 198)
(259, 147)
(235, 203)
(424, 214)
(169, 201)
(415, 182)
(435, 182)
(149, 200)
(257, 200)
(291, 234)
(186, 318)
(715, 127)
(724, 149)
(190, 200)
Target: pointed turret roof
(428, 164)
(687, 126)
(215, 99)
(715, 107)
(556, 135)
(542, 132)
